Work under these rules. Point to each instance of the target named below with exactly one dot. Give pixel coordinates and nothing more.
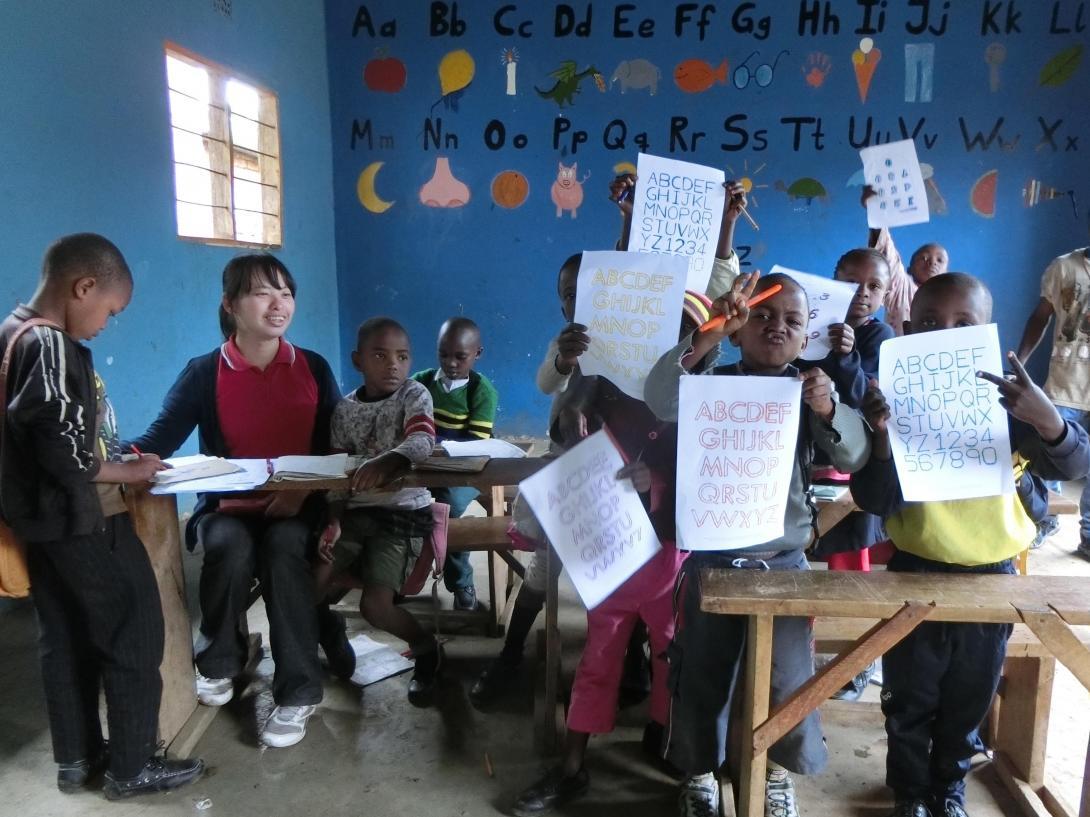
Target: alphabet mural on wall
(761, 88)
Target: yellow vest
(965, 531)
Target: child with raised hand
(377, 529)
(855, 342)
(939, 681)
(726, 266)
(929, 260)
(650, 447)
(707, 650)
(94, 590)
(851, 364)
(464, 404)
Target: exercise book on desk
(198, 466)
(249, 474)
(462, 465)
(293, 468)
(496, 449)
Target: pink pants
(647, 595)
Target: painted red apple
(386, 74)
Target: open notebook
(302, 467)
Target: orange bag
(14, 579)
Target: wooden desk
(1048, 605)
(156, 521)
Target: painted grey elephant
(636, 74)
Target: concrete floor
(368, 751)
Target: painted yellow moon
(365, 189)
(624, 167)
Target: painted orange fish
(694, 76)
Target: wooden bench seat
(477, 533)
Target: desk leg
(553, 722)
(156, 521)
(498, 574)
(758, 677)
(1021, 730)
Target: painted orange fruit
(982, 196)
(510, 189)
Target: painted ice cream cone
(864, 60)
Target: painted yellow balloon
(365, 189)
(456, 71)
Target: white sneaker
(286, 726)
(214, 691)
(699, 797)
(780, 796)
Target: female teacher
(257, 396)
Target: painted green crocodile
(568, 79)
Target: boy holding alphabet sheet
(707, 649)
(933, 422)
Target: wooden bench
(1049, 606)
(473, 534)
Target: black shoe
(653, 746)
(72, 777)
(429, 663)
(158, 774)
(910, 808)
(951, 808)
(333, 636)
(1083, 549)
(553, 790)
(496, 680)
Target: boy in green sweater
(464, 409)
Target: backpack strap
(5, 365)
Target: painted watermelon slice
(982, 196)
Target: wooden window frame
(271, 175)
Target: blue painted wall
(421, 264)
(86, 146)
